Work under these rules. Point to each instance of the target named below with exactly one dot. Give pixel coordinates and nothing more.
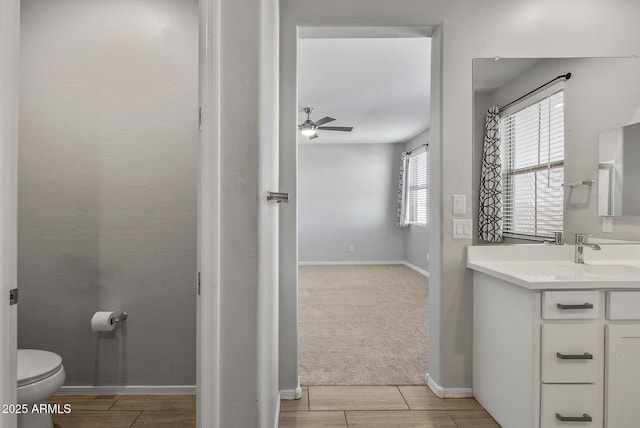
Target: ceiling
(380, 86)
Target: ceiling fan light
(308, 132)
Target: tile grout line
(136, 419)
(309, 398)
(114, 402)
(405, 400)
(454, 421)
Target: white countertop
(543, 267)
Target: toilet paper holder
(121, 317)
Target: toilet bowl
(40, 375)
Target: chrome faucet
(581, 242)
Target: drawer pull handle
(585, 356)
(582, 306)
(584, 418)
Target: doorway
(207, 372)
(362, 278)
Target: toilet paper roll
(103, 321)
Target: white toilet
(40, 375)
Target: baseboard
(292, 394)
(353, 262)
(441, 392)
(416, 268)
(371, 262)
(128, 390)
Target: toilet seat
(35, 365)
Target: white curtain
(401, 218)
(490, 214)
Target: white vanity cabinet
(546, 358)
(557, 343)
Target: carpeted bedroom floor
(362, 325)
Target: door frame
(9, 83)
(208, 208)
(208, 306)
(289, 367)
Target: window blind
(533, 167)
(418, 180)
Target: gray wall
(464, 30)
(107, 186)
(347, 197)
(416, 238)
(602, 94)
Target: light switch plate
(462, 228)
(459, 204)
(607, 224)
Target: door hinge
(198, 283)
(200, 118)
(13, 296)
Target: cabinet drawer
(576, 404)
(581, 304)
(623, 305)
(571, 353)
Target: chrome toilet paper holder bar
(121, 317)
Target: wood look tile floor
(126, 411)
(380, 407)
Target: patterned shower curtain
(401, 218)
(490, 215)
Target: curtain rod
(416, 148)
(562, 76)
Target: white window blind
(533, 167)
(418, 180)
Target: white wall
(416, 238)
(466, 30)
(603, 93)
(107, 186)
(347, 197)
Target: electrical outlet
(607, 224)
(427, 256)
(352, 249)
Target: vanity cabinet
(545, 358)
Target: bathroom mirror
(602, 96)
(619, 172)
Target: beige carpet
(362, 325)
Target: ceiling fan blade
(311, 137)
(324, 120)
(336, 128)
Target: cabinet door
(622, 391)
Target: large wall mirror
(601, 122)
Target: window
(533, 167)
(418, 180)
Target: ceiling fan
(309, 128)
